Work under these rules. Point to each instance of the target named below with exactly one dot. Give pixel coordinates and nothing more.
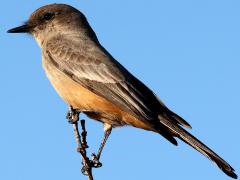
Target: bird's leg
(72, 115)
(73, 118)
(95, 158)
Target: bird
(88, 78)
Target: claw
(72, 115)
(84, 170)
(95, 161)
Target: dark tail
(179, 132)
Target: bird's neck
(43, 37)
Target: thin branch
(73, 118)
(81, 148)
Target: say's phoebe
(90, 80)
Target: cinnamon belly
(95, 106)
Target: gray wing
(96, 70)
(89, 64)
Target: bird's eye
(48, 16)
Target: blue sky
(187, 52)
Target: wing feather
(89, 64)
(99, 72)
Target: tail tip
(231, 174)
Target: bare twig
(84, 135)
(81, 148)
(73, 118)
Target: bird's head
(50, 19)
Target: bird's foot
(95, 161)
(85, 169)
(89, 164)
(72, 115)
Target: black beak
(21, 29)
